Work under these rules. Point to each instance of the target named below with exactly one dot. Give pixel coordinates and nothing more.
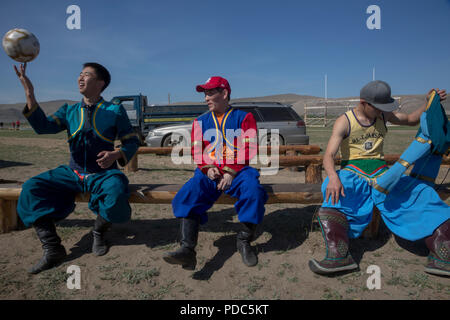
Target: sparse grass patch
(68, 232)
(162, 291)
(421, 280)
(168, 247)
(136, 276)
(255, 284)
(331, 294)
(50, 284)
(8, 283)
(397, 281)
(263, 264)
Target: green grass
(50, 284)
(31, 134)
(396, 140)
(133, 277)
(331, 294)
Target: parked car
(268, 115)
(144, 117)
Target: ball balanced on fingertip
(21, 45)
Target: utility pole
(326, 100)
(373, 74)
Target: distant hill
(409, 103)
(13, 112)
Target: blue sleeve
(128, 138)
(46, 125)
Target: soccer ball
(21, 45)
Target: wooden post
(313, 173)
(132, 165)
(371, 231)
(8, 215)
(291, 153)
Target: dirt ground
(134, 268)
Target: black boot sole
(317, 268)
(437, 272)
(47, 266)
(100, 251)
(185, 263)
(248, 254)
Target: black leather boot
(185, 255)
(439, 245)
(99, 245)
(334, 227)
(54, 252)
(243, 240)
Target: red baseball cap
(214, 82)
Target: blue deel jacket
(88, 133)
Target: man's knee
(254, 191)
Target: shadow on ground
(288, 229)
(7, 164)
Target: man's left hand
(107, 158)
(442, 94)
(225, 182)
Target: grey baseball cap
(378, 94)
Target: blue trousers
(52, 193)
(412, 209)
(199, 194)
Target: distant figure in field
(17, 125)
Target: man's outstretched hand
(27, 85)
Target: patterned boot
(439, 245)
(334, 227)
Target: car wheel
(173, 140)
(274, 140)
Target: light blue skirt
(412, 209)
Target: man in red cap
(223, 142)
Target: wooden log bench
(311, 162)
(164, 193)
(289, 150)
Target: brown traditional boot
(439, 245)
(334, 227)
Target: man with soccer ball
(92, 125)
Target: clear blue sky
(261, 47)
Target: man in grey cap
(348, 204)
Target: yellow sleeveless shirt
(363, 142)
